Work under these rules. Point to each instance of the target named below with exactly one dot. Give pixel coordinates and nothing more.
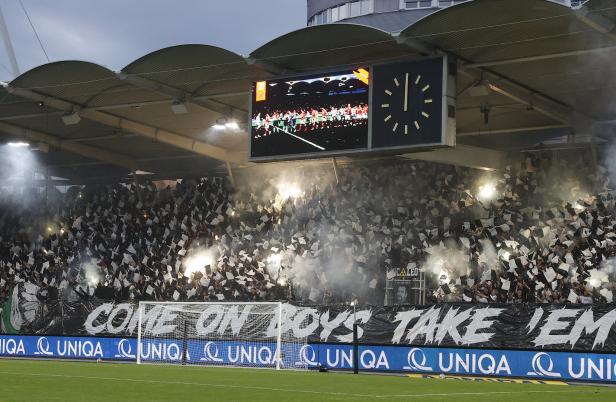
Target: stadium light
(179, 107)
(70, 119)
(18, 144)
(221, 123)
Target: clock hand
(406, 93)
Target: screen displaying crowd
(543, 230)
(311, 114)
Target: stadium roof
(546, 68)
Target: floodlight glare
(18, 144)
(487, 191)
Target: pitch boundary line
(301, 139)
(427, 395)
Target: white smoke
(447, 262)
(17, 167)
(91, 273)
(488, 258)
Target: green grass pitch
(25, 380)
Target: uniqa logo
(307, 356)
(210, 353)
(543, 365)
(42, 347)
(415, 365)
(125, 350)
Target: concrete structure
(388, 15)
(529, 73)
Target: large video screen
(311, 115)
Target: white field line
(183, 383)
(300, 138)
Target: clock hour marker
(385, 105)
(428, 101)
(395, 127)
(424, 89)
(418, 79)
(406, 129)
(416, 125)
(388, 92)
(424, 114)
(396, 82)
(387, 118)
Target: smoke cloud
(447, 262)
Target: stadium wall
(536, 365)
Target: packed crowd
(311, 119)
(541, 231)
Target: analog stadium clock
(409, 104)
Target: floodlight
(70, 119)
(18, 144)
(179, 107)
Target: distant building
(388, 15)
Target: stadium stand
(540, 231)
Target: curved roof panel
(74, 81)
(196, 69)
(487, 30)
(328, 46)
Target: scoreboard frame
(447, 108)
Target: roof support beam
(539, 103)
(79, 149)
(181, 96)
(123, 105)
(268, 66)
(414, 44)
(8, 45)
(512, 130)
(140, 161)
(597, 21)
(513, 90)
(536, 58)
(142, 129)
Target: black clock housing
(407, 104)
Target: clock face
(407, 104)
(410, 104)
